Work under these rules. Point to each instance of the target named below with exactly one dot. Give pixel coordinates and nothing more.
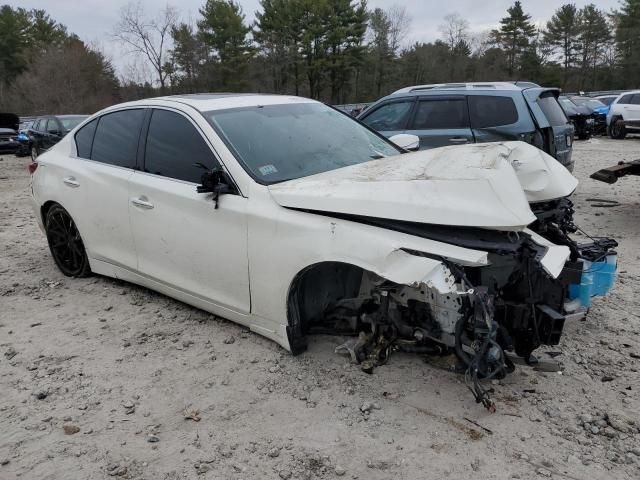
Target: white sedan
(289, 217)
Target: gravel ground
(102, 379)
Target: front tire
(65, 243)
(617, 130)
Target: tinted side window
(391, 116)
(636, 99)
(84, 139)
(551, 109)
(36, 125)
(116, 139)
(625, 99)
(174, 146)
(52, 126)
(441, 113)
(490, 111)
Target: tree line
(338, 51)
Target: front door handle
(458, 140)
(71, 182)
(142, 202)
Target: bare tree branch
(147, 36)
(454, 30)
(399, 22)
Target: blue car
(23, 139)
(599, 111)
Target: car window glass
(69, 123)
(551, 109)
(293, 140)
(391, 116)
(174, 146)
(116, 139)
(491, 111)
(52, 126)
(436, 113)
(36, 126)
(636, 99)
(84, 139)
(625, 100)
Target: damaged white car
(291, 218)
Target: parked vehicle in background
(598, 110)
(23, 138)
(606, 99)
(460, 113)
(9, 124)
(580, 116)
(321, 225)
(48, 130)
(624, 115)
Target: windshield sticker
(268, 170)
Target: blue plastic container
(597, 279)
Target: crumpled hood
(473, 186)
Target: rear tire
(65, 243)
(617, 130)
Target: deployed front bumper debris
(622, 169)
(513, 304)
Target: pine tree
(595, 35)
(563, 34)
(224, 34)
(628, 41)
(514, 35)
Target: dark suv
(454, 114)
(46, 131)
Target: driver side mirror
(406, 141)
(216, 181)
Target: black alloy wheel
(65, 243)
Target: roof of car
(205, 102)
(465, 86)
(70, 115)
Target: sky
(93, 20)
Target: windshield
(69, 123)
(282, 142)
(566, 104)
(607, 100)
(588, 102)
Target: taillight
(32, 167)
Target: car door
(389, 118)
(98, 181)
(182, 240)
(52, 134)
(632, 110)
(440, 121)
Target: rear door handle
(142, 202)
(71, 182)
(458, 140)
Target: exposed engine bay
(511, 305)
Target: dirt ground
(102, 379)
